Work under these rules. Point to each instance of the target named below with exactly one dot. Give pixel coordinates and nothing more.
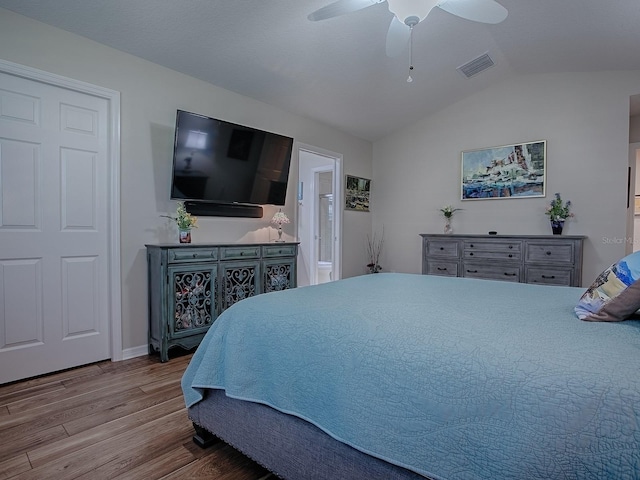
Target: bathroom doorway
(633, 243)
(319, 218)
(633, 182)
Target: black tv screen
(221, 162)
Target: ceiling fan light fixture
(405, 10)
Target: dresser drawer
(492, 250)
(556, 252)
(442, 248)
(182, 255)
(278, 251)
(548, 275)
(233, 253)
(442, 267)
(492, 272)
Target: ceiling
(336, 71)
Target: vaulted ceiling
(336, 70)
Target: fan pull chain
(409, 78)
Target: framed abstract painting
(507, 171)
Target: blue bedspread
(453, 378)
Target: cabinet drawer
(278, 251)
(492, 250)
(556, 252)
(548, 276)
(232, 253)
(442, 248)
(493, 272)
(443, 268)
(180, 255)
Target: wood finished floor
(123, 420)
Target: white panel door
(53, 228)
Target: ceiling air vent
(476, 65)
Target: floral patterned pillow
(615, 295)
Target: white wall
(150, 95)
(583, 117)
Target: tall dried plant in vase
(374, 250)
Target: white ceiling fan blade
(340, 7)
(485, 11)
(397, 37)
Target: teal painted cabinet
(190, 285)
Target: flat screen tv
(220, 162)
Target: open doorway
(633, 218)
(319, 215)
(634, 191)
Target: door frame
(112, 98)
(337, 160)
(634, 156)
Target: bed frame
(284, 444)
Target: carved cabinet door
(278, 274)
(192, 300)
(239, 280)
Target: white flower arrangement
(184, 220)
(448, 211)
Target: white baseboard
(128, 353)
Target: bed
(414, 376)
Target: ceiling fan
(408, 13)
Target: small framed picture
(356, 193)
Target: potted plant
(184, 221)
(374, 249)
(558, 212)
(448, 211)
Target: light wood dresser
(545, 259)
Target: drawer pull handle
(510, 274)
(442, 269)
(279, 251)
(510, 255)
(510, 247)
(441, 248)
(548, 252)
(549, 276)
(471, 245)
(472, 271)
(195, 255)
(241, 253)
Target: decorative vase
(184, 235)
(556, 226)
(448, 229)
(374, 268)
